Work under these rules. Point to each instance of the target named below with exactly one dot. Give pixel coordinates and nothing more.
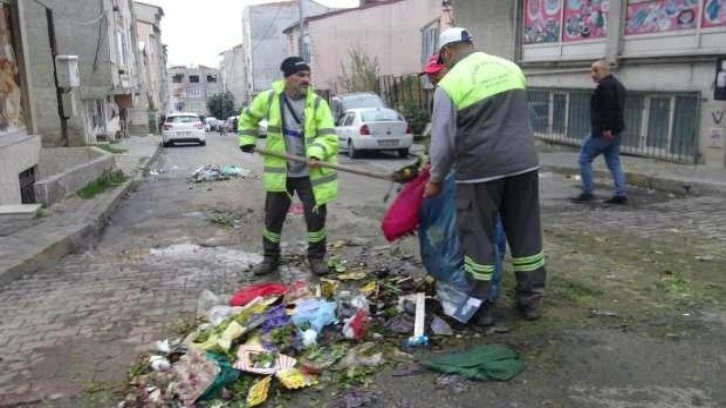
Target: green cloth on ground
(480, 363)
(226, 376)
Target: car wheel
(352, 152)
(403, 153)
(202, 143)
(167, 144)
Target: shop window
(193, 79)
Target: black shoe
(268, 266)
(484, 317)
(318, 266)
(529, 312)
(618, 199)
(583, 198)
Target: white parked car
(374, 129)
(182, 127)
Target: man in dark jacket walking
(607, 118)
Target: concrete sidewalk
(642, 172)
(71, 223)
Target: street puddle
(221, 255)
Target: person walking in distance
(478, 127)
(607, 119)
(299, 123)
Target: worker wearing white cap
(480, 126)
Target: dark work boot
(484, 317)
(529, 311)
(267, 266)
(318, 266)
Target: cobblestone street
(81, 321)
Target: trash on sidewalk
(481, 363)
(272, 338)
(216, 172)
(605, 313)
(440, 328)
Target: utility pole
(301, 41)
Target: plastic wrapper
(294, 379)
(247, 294)
(441, 250)
(259, 392)
(402, 217)
(315, 313)
(357, 326)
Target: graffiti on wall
(585, 20)
(714, 13)
(542, 21)
(11, 101)
(660, 16)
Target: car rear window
(380, 115)
(182, 119)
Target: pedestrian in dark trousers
(478, 128)
(607, 118)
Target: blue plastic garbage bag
(441, 249)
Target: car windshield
(182, 119)
(362, 101)
(380, 115)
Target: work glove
(247, 148)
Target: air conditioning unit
(125, 80)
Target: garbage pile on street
(216, 172)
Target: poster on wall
(660, 16)
(542, 21)
(11, 102)
(585, 20)
(714, 13)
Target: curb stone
(654, 182)
(81, 235)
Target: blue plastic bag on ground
(441, 249)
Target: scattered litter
(296, 209)
(159, 363)
(268, 339)
(412, 369)
(356, 276)
(705, 258)
(259, 392)
(216, 172)
(455, 384)
(440, 328)
(364, 355)
(248, 293)
(605, 313)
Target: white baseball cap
(454, 35)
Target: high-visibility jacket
(321, 141)
(493, 134)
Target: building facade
(102, 34)
(666, 52)
(265, 44)
(388, 31)
(19, 143)
(153, 87)
(233, 72)
(191, 87)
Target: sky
(197, 31)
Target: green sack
(481, 363)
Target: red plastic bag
(250, 293)
(402, 217)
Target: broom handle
(292, 157)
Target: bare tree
(361, 75)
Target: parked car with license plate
(374, 129)
(340, 104)
(182, 127)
